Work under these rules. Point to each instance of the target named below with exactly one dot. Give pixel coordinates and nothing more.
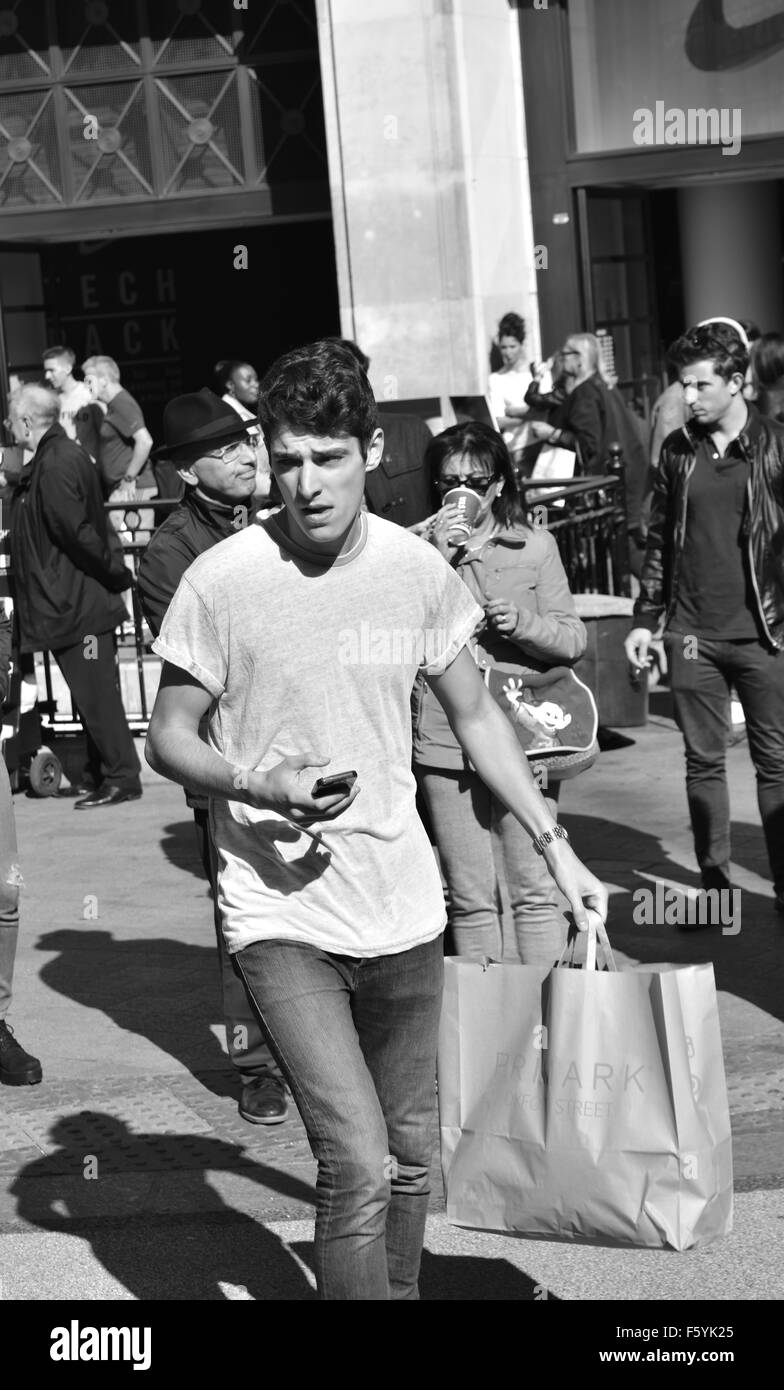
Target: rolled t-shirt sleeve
(453, 616)
(188, 638)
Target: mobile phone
(337, 782)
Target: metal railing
(590, 528)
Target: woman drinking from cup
(514, 570)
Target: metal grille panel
(117, 164)
(285, 27)
(98, 37)
(23, 43)
(194, 38)
(163, 81)
(289, 122)
(29, 172)
(202, 143)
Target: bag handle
(597, 936)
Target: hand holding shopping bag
(585, 1104)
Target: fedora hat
(199, 418)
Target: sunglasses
(230, 452)
(478, 484)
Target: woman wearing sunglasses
(514, 571)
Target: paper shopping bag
(584, 1104)
(551, 462)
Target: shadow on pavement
(165, 990)
(180, 846)
(210, 1252)
(445, 1278)
(749, 964)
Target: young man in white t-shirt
(74, 395)
(302, 637)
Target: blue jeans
(473, 830)
(701, 674)
(356, 1040)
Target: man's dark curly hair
(717, 342)
(321, 388)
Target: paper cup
(468, 504)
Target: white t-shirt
(304, 657)
(511, 387)
(70, 402)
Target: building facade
(656, 150)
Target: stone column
(429, 179)
(731, 252)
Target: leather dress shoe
(263, 1100)
(108, 795)
(17, 1067)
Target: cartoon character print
(544, 721)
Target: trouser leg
(248, 1048)
(92, 680)
(701, 702)
(459, 806)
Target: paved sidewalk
(129, 1174)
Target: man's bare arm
(487, 737)
(175, 749)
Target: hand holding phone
(337, 782)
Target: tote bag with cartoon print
(553, 714)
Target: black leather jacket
(761, 443)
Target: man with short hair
(712, 576)
(74, 395)
(217, 460)
(68, 575)
(125, 441)
(330, 896)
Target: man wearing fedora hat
(209, 444)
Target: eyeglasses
(480, 484)
(230, 452)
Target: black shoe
(263, 1100)
(17, 1067)
(108, 795)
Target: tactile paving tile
(144, 1154)
(156, 1112)
(75, 1094)
(765, 1092)
(12, 1134)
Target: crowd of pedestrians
(306, 515)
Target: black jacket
(66, 561)
(193, 527)
(5, 655)
(592, 418)
(761, 442)
(399, 489)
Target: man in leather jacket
(713, 576)
(209, 444)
